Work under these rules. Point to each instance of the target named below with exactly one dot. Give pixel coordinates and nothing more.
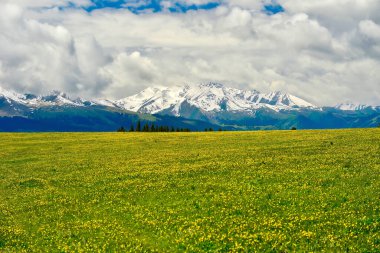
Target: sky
(326, 51)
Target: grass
(195, 192)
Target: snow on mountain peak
(55, 98)
(208, 97)
(183, 101)
(58, 98)
(353, 107)
(212, 85)
(11, 96)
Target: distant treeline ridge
(157, 128)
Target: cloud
(324, 51)
(48, 3)
(129, 70)
(338, 16)
(370, 29)
(33, 53)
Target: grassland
(196, 192)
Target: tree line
(152, 128)
(146, 127)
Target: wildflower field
(263, 191)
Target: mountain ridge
(276, 100)
(57, 112)
(195, 107)
(209, 97)
(355, 107)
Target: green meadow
(264, 191)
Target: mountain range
(209, 105)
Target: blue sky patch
(272, 9)
(154, 6)
(178, 7)
(138, 7)
(100, 4)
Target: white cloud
(370, 29)
(338, 16)
(35, 55)
(129, 71)
(48, 3)
(246, 4)
(324, 51)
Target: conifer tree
(121, 129)
(138, 127)
(131, 129)
(146, 127)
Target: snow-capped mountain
(54, 98)
(355, 107)
(16, 104)
(58, 112)
(210, 97)
(195, 107)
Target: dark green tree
(138, 127)
(145, 127)
(121, 129)
(152, 128)
(131, 129)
